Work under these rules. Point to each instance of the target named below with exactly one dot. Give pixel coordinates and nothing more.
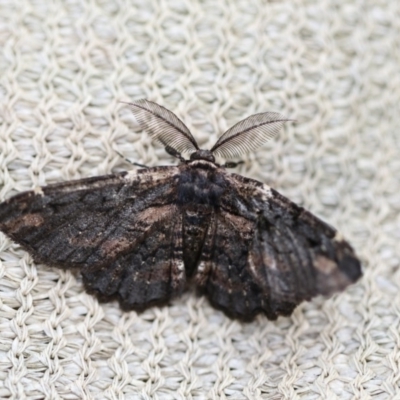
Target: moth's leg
(232, 164)
(130, 162)
(140, 165)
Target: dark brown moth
(142, 237)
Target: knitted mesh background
(332, 65)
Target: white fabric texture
(332, 65)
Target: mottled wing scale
(152, 271)
(223, 275)
(112, 228)
(302, 255)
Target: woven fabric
(332, 65)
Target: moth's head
(202, 155)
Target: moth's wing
(152, 271)
(119, 230)
(275, 251)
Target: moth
(142, 237)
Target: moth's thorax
(202, 155)
(201, 182)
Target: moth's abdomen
(196, 221)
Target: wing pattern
(113, 228)
(268, 254)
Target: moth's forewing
(118, 230)
(268, 254)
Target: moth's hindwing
(223, 274)
(151, 271)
